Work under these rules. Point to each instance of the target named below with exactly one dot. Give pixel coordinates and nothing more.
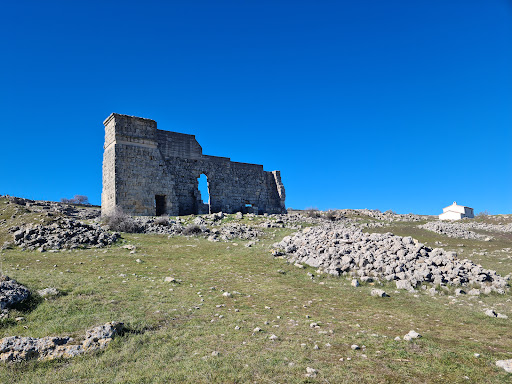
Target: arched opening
(203, 200)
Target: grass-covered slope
(185, 331)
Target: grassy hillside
(185, 331)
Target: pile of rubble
(62, 233)
(344, 249)
(208, 226)
(388, 216)
(504, 228)
(231, 231)
(17, 348)
(455, 230)
(52, 207)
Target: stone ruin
(150, 172)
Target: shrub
(192, 230)
(121, 222)
(330, 215)
(77, 199)
(483, 214)
(162, 220)
(312, 212)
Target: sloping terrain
(199, 310)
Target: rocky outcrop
(344, 249)
(17, 348)
(62, 233)
(82, 212)
(455, 230)
(11, 292)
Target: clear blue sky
(403, 105)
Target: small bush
(483, 214)
(312, 212)
(162, 220)
(77, 199)
(121, 222)
(192, 230)
(330, 215)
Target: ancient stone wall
(147, 171)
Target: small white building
(456, 212)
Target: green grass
(172, 341)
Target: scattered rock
(48, 292)
(412, 335)
(378, 293)
(493, 313)
(311, 372)
(11, 292)
(505, 364)
(17, 348)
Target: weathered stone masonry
(147, 171)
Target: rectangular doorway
(160, 205)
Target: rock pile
(345, 249)
(17, 348)
(75, 211)
(208, 226)
(62, 233)
(389, 216)
(159, 225)
(504, 228)
(231, 231)
(455, 230)
(11, 292)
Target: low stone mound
(388, 216)
(231, 231)
(11, 292)
(199, 227)
(63, 233)
(159, 225)
(454, 230)
(83, 212)
(503, 228)
(345, 249)
(17, 348)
